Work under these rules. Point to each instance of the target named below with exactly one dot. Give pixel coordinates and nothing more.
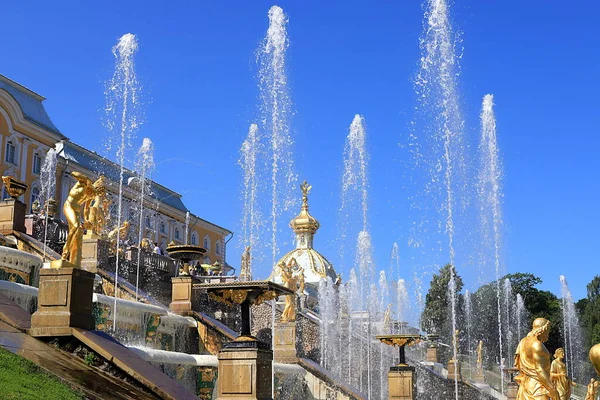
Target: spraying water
(574, 351)
(277, 112)
(508, 298)
(122, 102)
(490, 195)
(468, 317)
(48, 183)
(187, 226)
(520, 315)
(437, 89)
(251, 217)
(144, 167)
(402, 301)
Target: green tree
(437, 315)
(589, 310)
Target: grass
(23, 380)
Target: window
(193, 238)
(148, 221)
(176, 233)
(131, 215)
(207, 243)
(10, 152)
(35, 195)
(4, 193)
(37, 164)
(162, 227)
(218, 247)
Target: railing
(151, 260)
(55, 235)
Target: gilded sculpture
(595, 357)
(558, 375)
(293, 279)
(532, 359)
(480, 354)
(95, 209)
(592, 389)
(80, 194)
(455, 343)
(122, 232)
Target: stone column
(245, 372)
(64, 302)
(93, 252)
(454, 370)
(181, 296)
(12, 216)
(401, 383)
(285, 342)
(432, 355)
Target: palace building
(27, 134)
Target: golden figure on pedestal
(558, 375)
(480, 354)
(122, 231)
(592, 390)
(532, 359)
(293, 279)
(80, 194)
(455, 344)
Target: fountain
(144, 166)
(276, 109)
(251, 213)
(185, 253)
(490, 195)
(572, 335)
(122, 100)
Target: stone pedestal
(93, 252)
(511, 390)
(12, 216)
(432, 355)
(285, 342)
(64, 302)
(245, 373)
(181, 296)
(454, 370)
(479, 376)
(401, 383)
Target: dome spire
(304, 222)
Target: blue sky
(197, 65)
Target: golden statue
(293, 278)
(480, 354)
(79, 195)
(592, 389)
(558, 375)
(387, 316)
(455, 344)
(95, 209)
(595, 357)
(122, 231)
(533, 362)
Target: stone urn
(14, 187)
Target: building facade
(27, 134)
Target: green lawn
(21, 379)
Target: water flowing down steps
(91, 381)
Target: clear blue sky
(196, 61)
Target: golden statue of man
(80, 194)
(532, 359)
(293, 278)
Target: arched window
(11, 152)
(35, 195)
(218, 247)
(162, 227)
(176, 233)
(207, 243)
(37, 164)
(148, 221)
(193, 238)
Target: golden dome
(305, 222)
